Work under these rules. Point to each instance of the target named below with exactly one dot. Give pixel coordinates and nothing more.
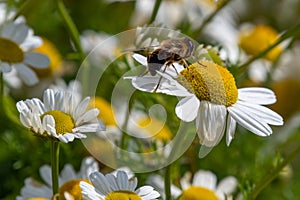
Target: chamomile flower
(203, 186)
(69, 181)
(211, 98)
(16, 44)
(60, 116)
(117, 186)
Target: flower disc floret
(210, 82)
(10, 52)
(192, 193)
(63, 122)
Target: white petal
(187, 108)
(249, 122)
(49, 100)
(16, 32)
(210, 123)
(230, 129)
(36, 60)
(26, 74)
(141, 59)
(100, 182)
(87, 117)
(81, 107)
(45, 172)
(68, 173)
(227, 185)
(262, 96)
(262, 112)
(205, 179)
(5, 67)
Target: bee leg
(175, 69)
(156, 87)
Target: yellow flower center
(155, 128)
(63, 122)
(210, 82)
(106, 111)
(258, 39)
(37, 198)
(73, 188)
(122, 195)
(10, 51)
(198, 193)
(55, 65)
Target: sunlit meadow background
(249, 158)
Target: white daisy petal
(230, 129)
(210, 123)
(100, 182)
(5, 67)
(263, 113)
(227, 185)
(187, 108)
(249, 122)
(68, 173)
(36, 60)
(205, 179)
(262, 96)
(141, 59)
(45, 172)
(26, 74)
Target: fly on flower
(174, 50)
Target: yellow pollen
(73, 188)
(156, 128)
(55, 66)
(63, 122)
(106, 111)
(10, 51)
(210, 82)
(122, 195)
(258, 39)
(198, 193)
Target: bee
(174, 50)
(168, 52)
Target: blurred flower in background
(117, 186)
(203, 185)
(69, 181)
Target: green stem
(289, 33)
(22, 8)
(124, 127)
(71, 28)
(1, 93)
(155, 10)
(54, 154)
(273, 174)
(209, 18)
(168, 181)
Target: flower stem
(209, 18)
(168, 181)
(54, 154)
(1, 93)
(155, 10)
(71, 28)
(289, 33)
(273, 174)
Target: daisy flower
(203, 186)
(69, 181)
(117, 186)
(60, 116)
(16, 44)
(211, 98)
